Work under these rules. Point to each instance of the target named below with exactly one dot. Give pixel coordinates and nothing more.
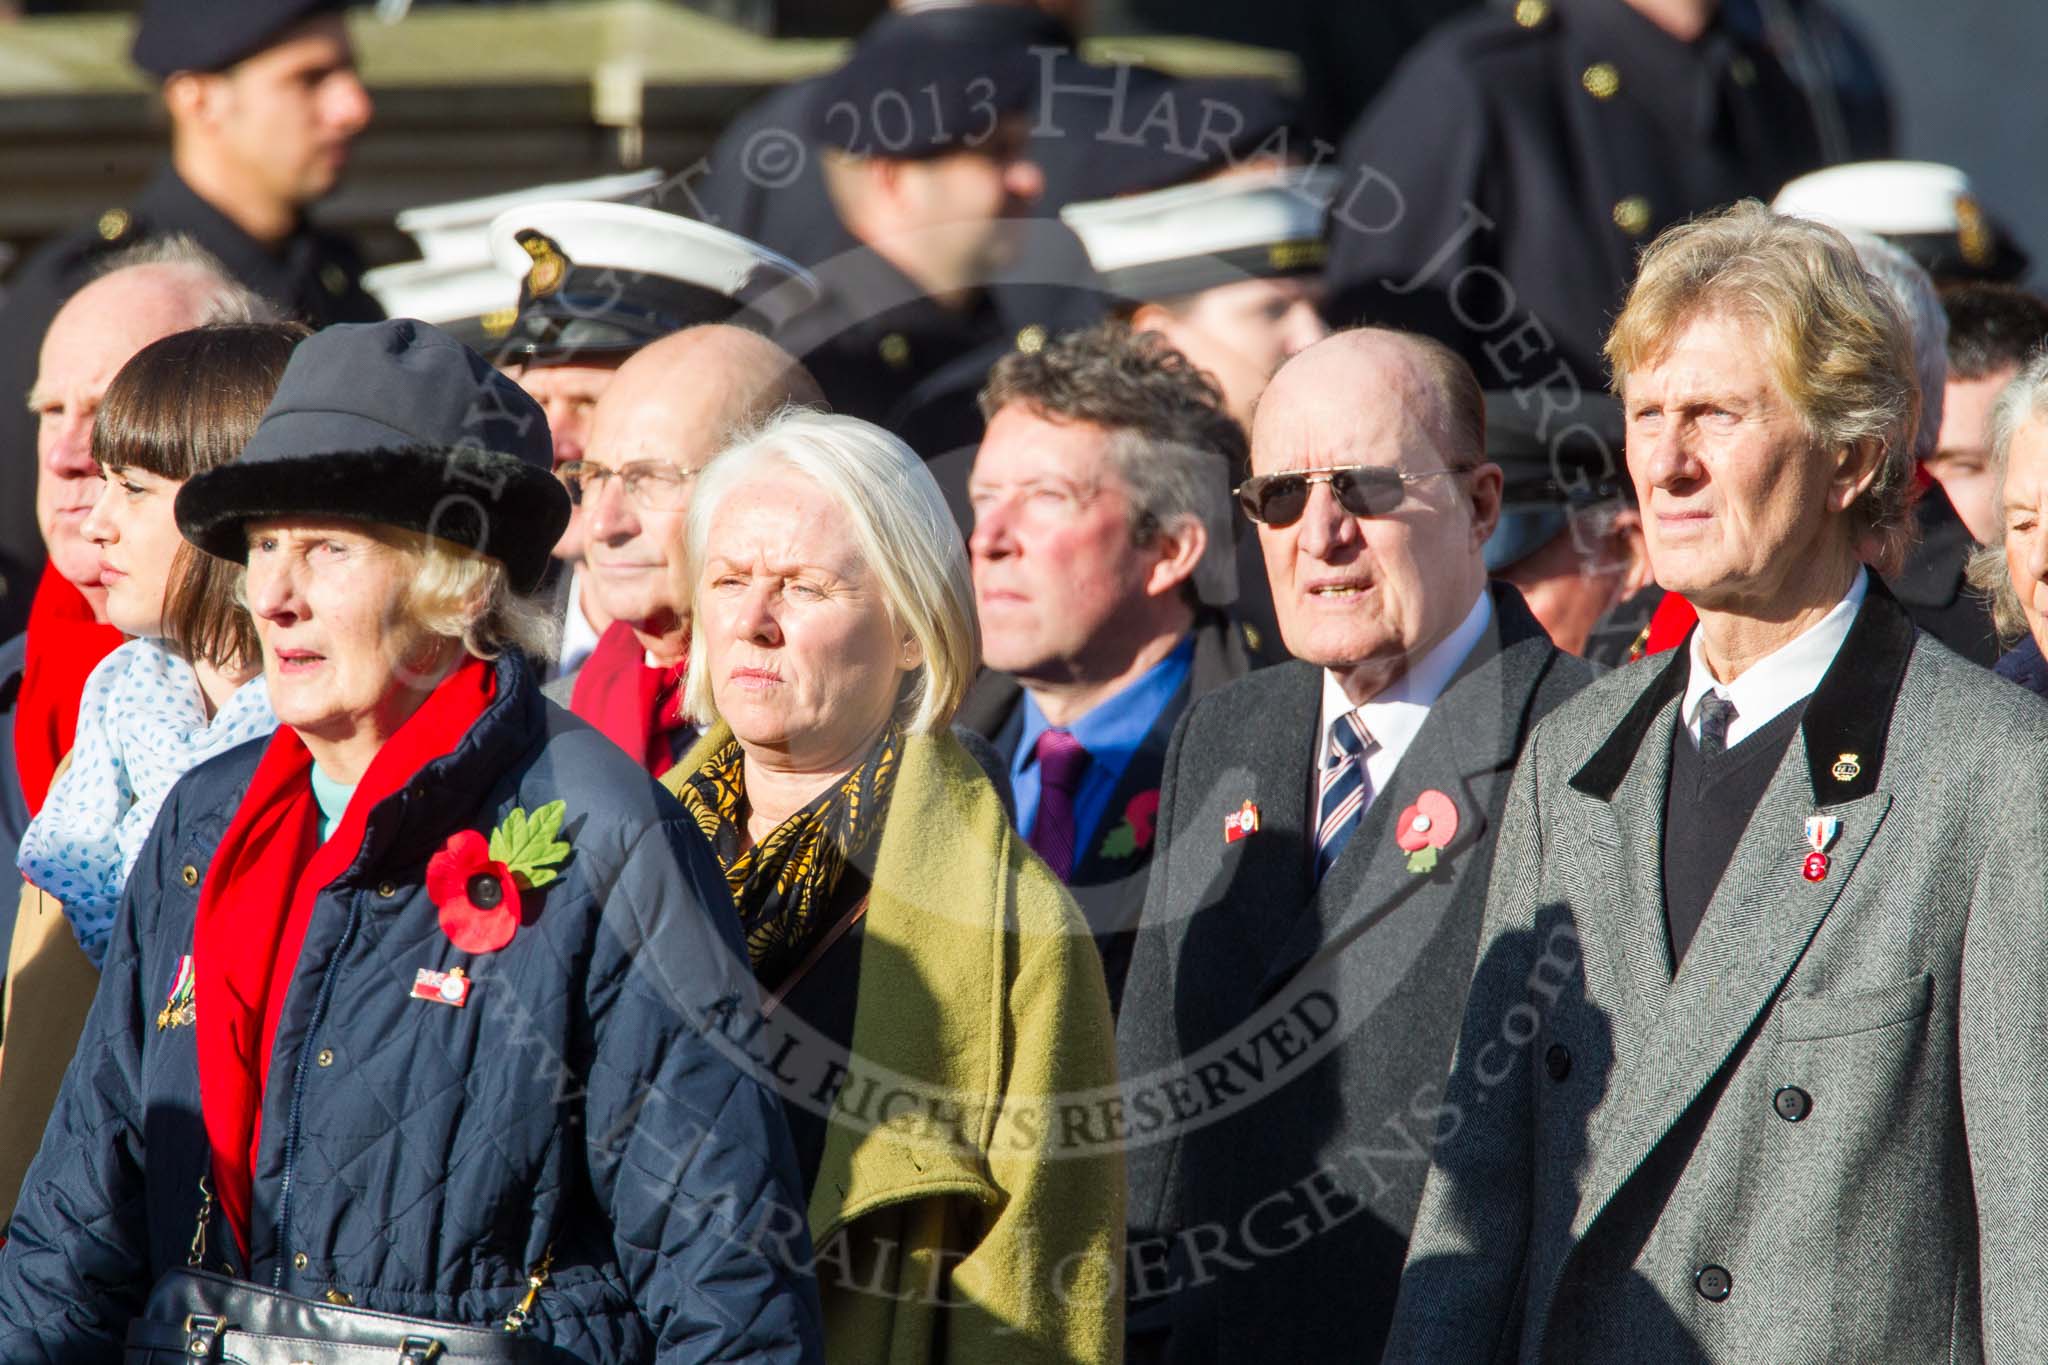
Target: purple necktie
(1061, 764)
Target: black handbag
(201, 1315)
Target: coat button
(341, 1298)
(326, 1057)
(299, 1261)
(1714, 1283)
(1632, 215)
(189, 875)
(1601, 80)
(387, 889)
(1792, 1104)
(1558, 1061)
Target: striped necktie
(1716, 714)
(1343, 786)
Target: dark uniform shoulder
(1490, 34)
(56, 269)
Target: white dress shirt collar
(1394, 717)
(1782, 678)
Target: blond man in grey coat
(1754, 1066)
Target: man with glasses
(666, 413)
(1325, 837)
(1103, 562)
(598, 281)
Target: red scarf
(258, 902)
(636, 707)
(64, 646)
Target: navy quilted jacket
(418, 1157)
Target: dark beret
(926, 84)
(181, 35)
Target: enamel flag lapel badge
(443, 988)
(1241, 823)
(179, 1010)
(1821, 831)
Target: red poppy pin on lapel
(476, 884)
(1425, 827)
(1134, 835)
(1241, 823)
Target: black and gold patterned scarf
(784, 886)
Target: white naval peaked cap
(454, 231)
(1193, 237)
(598, 276)
(1925, 207)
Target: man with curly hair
(1103, 560)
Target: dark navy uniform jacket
(1497, 193)
(315, 277)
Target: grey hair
(228, 300)
(1170, 485)
(902, 526)
(2021, 403)
(1913, 289)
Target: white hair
(2021, 403)
(901, 525)
(1913, 289)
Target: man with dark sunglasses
(1325, 835)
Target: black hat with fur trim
(400, 424)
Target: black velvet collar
(1847, 719)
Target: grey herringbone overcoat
(1826, 1136)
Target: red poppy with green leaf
(476, 884)
(1428, 825)
(1134, 835)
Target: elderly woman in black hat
(415, 1007)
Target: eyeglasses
(1362, 490)
(651, 485)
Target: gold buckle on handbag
(202, 1335)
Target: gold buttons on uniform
(326, 1057)
(1031, 339)
(1601, 80)
(387, 889)
(1632, 215)
(299, 1261)
(189, 875)
(895, 349)
(1530, 13)
(340, 1298)
(1742, 71)
(114, 225)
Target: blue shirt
(1111, 733)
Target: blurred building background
(477, 98)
